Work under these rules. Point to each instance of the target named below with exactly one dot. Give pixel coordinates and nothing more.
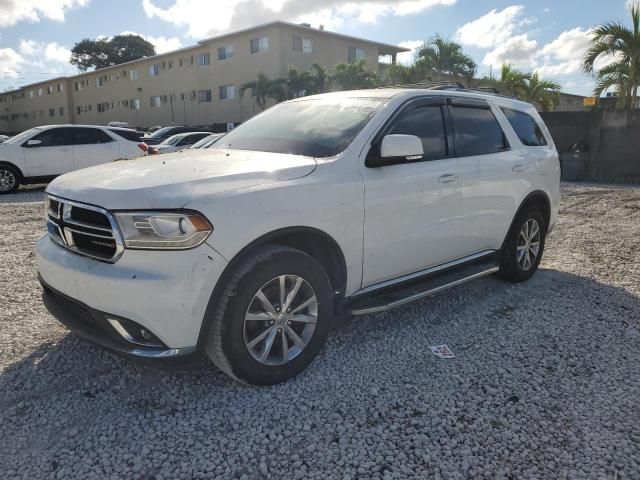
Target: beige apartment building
(197, 85)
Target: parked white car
(178, 142)
(41, 153)
(343, 203)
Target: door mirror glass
(34, 143)
(400, 146)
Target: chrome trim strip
(426, 293)
(117, 235)
(68, 229)
(124, 334)
(421, 273)
(78, 223)
(172, 352)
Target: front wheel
(9, 179)
(524, 247)
(272, 318)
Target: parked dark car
(161, 135)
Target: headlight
(163, 230)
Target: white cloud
(493, 28)
(569, 44)
(38, 51)
(407, 58)
(57, 53)
(162, 44)
(206, 18)
(30, 48)
(10, 62)
(14, 11)
(518, 51)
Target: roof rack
(451, 85)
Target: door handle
(518, 168)
(448, 178)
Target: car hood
(173, 180)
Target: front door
(412, 208)
(52, 156)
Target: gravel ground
(545, 384)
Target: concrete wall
(613, 138)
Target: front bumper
(164, 292)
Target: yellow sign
(589, 101)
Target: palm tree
(623, 43)
(353, 76)
(512, 82)
(444, 56)
(401, 74)
(615, 75)
(265, 88)
(542, 92)
(298, 83)
(319, 81)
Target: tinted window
(191, 139)
(477, 132)
(90, 136)
(528, 131)
(130, 135)
(54, 137)
(428, 124)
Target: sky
(542, 35)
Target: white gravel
(545, 384)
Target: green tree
(353, 76)
(320, 80)
(443, 56)
(401, 74)
(298, 83)
(265, 88)
(622, 43)
(106, 52)
(615, 75)
(512, 82)
(544, 93)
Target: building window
(204, 59)
(101, 80)
(61, 111)
(225, 53)
(60, 87)
(170, 64)
(204, 96)
(49, 89)
(191, 60)
(304, 45)
(154, 70)
(52, 112)
(133, 74)
(40, 92)
(155, 101)
(355, 54)
(260, 44)
(227, 92)
(31, 94)
(192, 95)
(103, 107)
(134, 104)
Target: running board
(391, 297)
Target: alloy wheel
(280, 320)
(528, 244)
(7, 180)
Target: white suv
(343, 203)
(41, 153)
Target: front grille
(83, 229)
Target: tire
(514, 266)
(241, 317)
(9, 179)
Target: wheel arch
(10, 164)
(312, 241)
(537, 198)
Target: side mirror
(395, 149)
(33, 143)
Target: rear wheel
(272, 318)
(9, 179)
(524, 247)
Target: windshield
(206, 141)
(172, 140)
(23, 136)
(317, 127)
(161, 133)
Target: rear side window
(428, 124)
(54, 137)
(477, 132)
(527, 129)
(130, 135)
(90, 136)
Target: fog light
(146, 335)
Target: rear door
(489, 173)
(52, 156)
(93, 146)
(411, 208)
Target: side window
(427, 123)
(527, 129)
(130, 135)
(54, 137)
(90, 136)
(476, 131)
